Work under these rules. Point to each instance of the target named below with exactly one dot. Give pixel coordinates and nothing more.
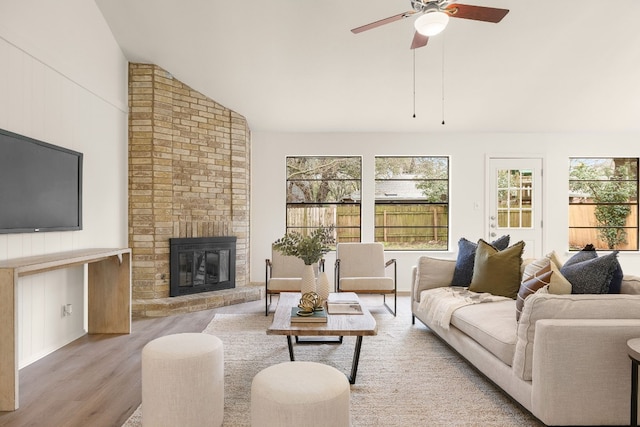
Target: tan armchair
(361, 268)
(283, 273)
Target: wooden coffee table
(337, 325)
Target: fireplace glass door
(201, 265)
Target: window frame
(342, 233)
(419, 205)
(577, 200)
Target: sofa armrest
(581, 371)
(431, 273)
(538, 307)
(414, 274)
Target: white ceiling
(294, 66)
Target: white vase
(308, 280)
(322, 287)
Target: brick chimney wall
(189, 175)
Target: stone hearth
(160, 307)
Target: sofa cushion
(630, 285)
(284, 284)
(555, 258)
(591, 275)
(355, 284)
(549, 306)
(433, 273)
(585, 254)
(497, 272)
(531, 285)
(615, 286)
(463, 272)
(533, 266)
(558, 283)
(589, 253)
(492, 325)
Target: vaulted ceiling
(294, 65)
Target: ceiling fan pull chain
(443, 40)
(414, 83)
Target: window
(603, 203)
(412, 203)
(514, 198)
(324, 191)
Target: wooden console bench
(109, 302)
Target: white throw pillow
(559, 284)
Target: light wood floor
(95, 380)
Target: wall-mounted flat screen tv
(40, 186)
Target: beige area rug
(406, 376)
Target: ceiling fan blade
(419, 40)
(384, 21)
(477, 13)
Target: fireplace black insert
(202, 264)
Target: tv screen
(40, 186)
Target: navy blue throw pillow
(616, 282)
(594, 275)
(587, 253)
(463, 272)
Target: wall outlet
(67, 310)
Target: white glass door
(514, 207)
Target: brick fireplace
(189, 175)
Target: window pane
(411, 205)
(310, 216)
(603, 203)
(527, 215)
(329, 167)
(514, 208)
(324, 191)
(503, 200)
(412, 226)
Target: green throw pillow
(463, 272)
(497, 272)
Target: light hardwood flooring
(95, 380)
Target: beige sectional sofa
(565, 360)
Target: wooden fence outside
(394, 223)
(426, 223)
(584, 216)
(407, 224)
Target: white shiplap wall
(63, 81)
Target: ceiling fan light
(431, 23)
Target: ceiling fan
(434, 16)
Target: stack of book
(344, 307)
(315, 317)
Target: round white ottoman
(183, 381)
(300, 394)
